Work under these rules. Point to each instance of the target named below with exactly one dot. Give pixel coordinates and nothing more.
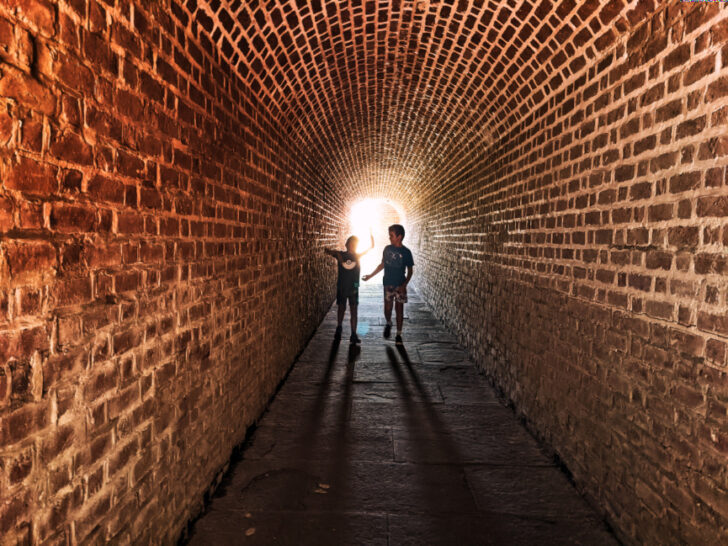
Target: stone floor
(393, 445)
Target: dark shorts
(352, 296)
(392, 294)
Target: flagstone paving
(393, 445)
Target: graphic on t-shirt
(348, 264)
(392, 258)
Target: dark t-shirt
(349, 270)
(395, 260)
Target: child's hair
(352, 239)
(397, 229)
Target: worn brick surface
(582, 258)
(169, 170)
(151, 297)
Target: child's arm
(335, 253)
(409, 271)
(371, 246)
(377, 270)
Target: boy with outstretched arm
(347, 283)
(397, 263)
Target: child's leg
(340, 314)
(353, 316)
(399, 309)
(388, 311)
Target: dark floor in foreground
(393, 445)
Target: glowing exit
(374, 216)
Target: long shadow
(339, 457)
(329, 461)
(312, 426)
(425, 413)
(309, 436)
(433, 450)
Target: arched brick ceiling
(407, 94)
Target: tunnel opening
(371, 217)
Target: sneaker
(387, 330)
(337, 333)
(354, 339)
(398, 339)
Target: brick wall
(169, 171)
(583, 261)
(159, 267)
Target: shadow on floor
(393, 445)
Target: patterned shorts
(392, 294)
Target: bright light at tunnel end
(373, 216)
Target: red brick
(691, 128)
(663, 161)
(40, 13)
(72, 180)
(102, 381)
(125, 341)
(72, 218)
(71, 291)
(685, 181)
(6, 127)
(31, 176)
(6, 215)
(71, 71)
(59, 441)
(713, 206)
(107, 189)
(659, 213)
(713, 323)
(645, 144)
(577, 185)
(682, 237)
(29, 259)
(700, 69)
(713, 149)
(669, 111)
(27, 91)
(130, 223)
(688, 396)
(14, 511)
(659, 260)
(687, 343)
(31, 134)
(6, 33)
(660, 309)
(102, 255)
(21, 423)
(677, 57)
(70, 147)
(715, 352)
(20, 467)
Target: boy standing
(347, 284)
(397, 264)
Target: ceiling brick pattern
(416, 87)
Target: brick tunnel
(171, 170)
